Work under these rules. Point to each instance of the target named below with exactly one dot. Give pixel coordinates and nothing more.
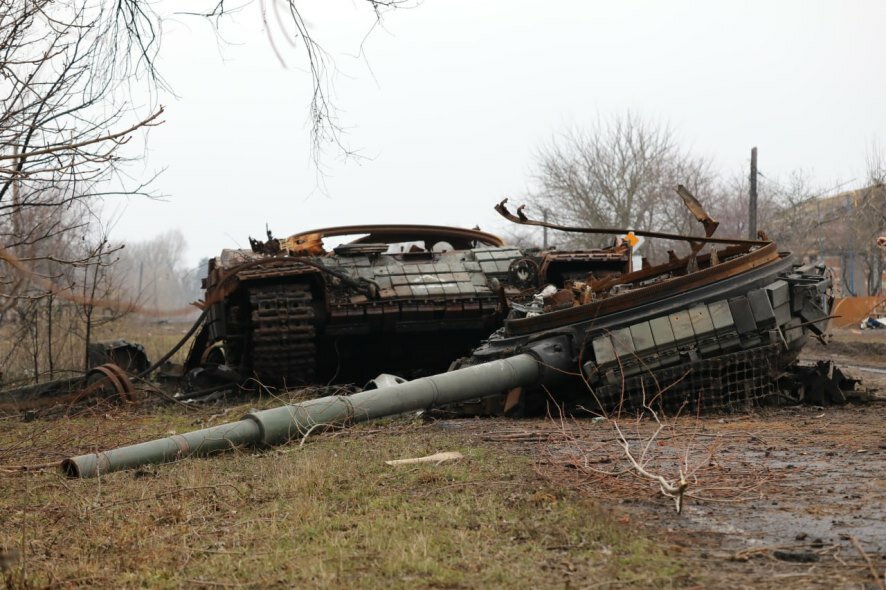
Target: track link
(284, 350)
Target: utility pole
(544, 213)
(752, 204)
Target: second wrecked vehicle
(399, 298)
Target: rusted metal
(710, 225)
(852, 311)
(707, 332)
(291, 312)
(370, 305)
(669, 285)
(109, 381)
(714, 339)
(521, 218)
(716, 342)
(128, 355)
(459, 238)
(110, 364)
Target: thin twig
(867, 559)
(669, 489)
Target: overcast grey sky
(453, 98)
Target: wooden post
(752, 204)
(544, 244)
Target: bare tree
(875, 159)
(870, 220)
(619, 173)
(66, 69)
(876, 209)
(820, 223)
(58, 125)
(97, 285)
(63, 117)
(291, 36)
(153, 273)
(795, 212)
(61, 128)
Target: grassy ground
(519, 511)
(19, 364)
(329, 514)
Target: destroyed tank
(407, 299)
(714, 331)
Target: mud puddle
(781, 498)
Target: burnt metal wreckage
(400, 298)
(708, 331)
(111, 366)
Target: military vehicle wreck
(111, 364)
(401, 298)
(707, 331)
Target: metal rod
(523, 220)
(279, 425)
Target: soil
(784, 497)
(791, 497)
(862, 352)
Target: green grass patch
(329, 514)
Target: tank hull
(288, 317)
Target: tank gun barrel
(279, 425)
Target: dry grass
(17, 351)
(156, 337)
(330, 514)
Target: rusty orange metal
(670, 286)
(851, 311)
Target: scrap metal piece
(130, 356)
(709, 223)
(108, 381)
(820, 383)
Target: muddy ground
(791, 497)
(782, 497)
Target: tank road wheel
(283, 334)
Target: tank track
(284, 350)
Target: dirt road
(791, 497)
